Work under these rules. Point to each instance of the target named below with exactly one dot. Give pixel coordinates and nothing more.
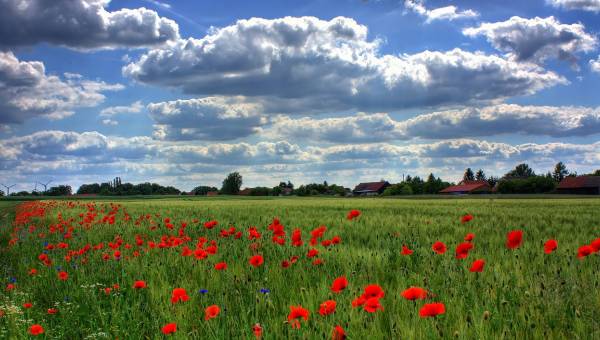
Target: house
(468, 187)
(212, 193)
(580, 185)
(245, 192)
(370, 189)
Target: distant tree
(492, 181)
(61, 190)
(596, 173)
(480, 175)
(530, 185)
(232, 184)
(560, 171)
(203, 190)
(521, 171)
(398, 189)
(468, 175)
(1, 193)
(260, 191)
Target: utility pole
(8, 188)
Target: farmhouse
(245, 192)
(581, 185)
(468, 187)
(370, 189)
(212, 193)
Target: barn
(580, 185)
(468, 187)
(370, 189)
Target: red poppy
(432, 309)
(406, 251)
(27, 305)
(10, 287)
(221, 266)
(32, 271)
(359, 301)
(414, 293)
(353, 214)
(469, 237)
(514, 239)
(256, 260)
(257, 330)
(169, 328)
(312, 252)
(373, 291)
(466, 218)
(372, 305)
(439, 247)
(210, 224)
(179, 295)
(285, 263)
(327, 307)
(63, 276)
(550, 246)
(584, 251)
(338, 333)
(36, 329)
(595, 245)
(139, 284)
(477, 266)
(297, 312)
(462, 250)
(52, 311)
(339, 284)
(317, 262)
(211, 312)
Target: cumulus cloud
(209, 118)
(442, 13)
(81, 24)
(595, 65)
(555, 121)
(584, 5)
(26, 91)
(135, 107)
(309, 63)
(536, 39)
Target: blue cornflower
(12, 279)
(265, 290)
(203, 291)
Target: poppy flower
(595, 245)
(32, 271)
(257, 330)
(339, 284)
(372, 305)
(359, 301)
(221, 266)
(179, 295)
(52, 311)
(327, 307)
(312, 253)
(439, 247)
(466, 218)
(36, 329)
(550, 246)
(317, 262)
(10, 287)
(462, 250)
(139, 284)
(169, 328)
(414, 293)
(27, 305)
(406, 251)
(477, 266)
(469, 237)
(297, 312)
(63, 276)
(338, 333)
(584, 251)
(373, 291)
(256, 260)
(211, 312)
(432, 309)
(514, 239)
(353, 214)
(210, 224)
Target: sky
(183, 92)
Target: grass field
(521, 293)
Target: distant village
(521, 180)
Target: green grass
(526, 293)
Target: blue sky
(182, 92)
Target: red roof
(580, 182)
(371, 187)
(466, 186)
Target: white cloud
(135, 107)
(81, 24)
(26, 91)
(160, 4)
(555, 121)
(595, 65)
(110, 122)
(209, 118)
(536, 39)
(312, 64)
(442, 13)
(584, 5)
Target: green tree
(480, 175)
(468, 175)
(202, 190)
(521, 171)
(1, 193)
(560, 172)
(232, 184)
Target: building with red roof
(371, 188)
(468, 187)
(580, 185)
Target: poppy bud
(486, 315)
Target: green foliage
(232, 184)
(315, 189)
(468, 175)
(61, 190)
(126, 189)
(202, 190)
(530, 185)
(560, 171)
(520, 171)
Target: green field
(522, 293)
